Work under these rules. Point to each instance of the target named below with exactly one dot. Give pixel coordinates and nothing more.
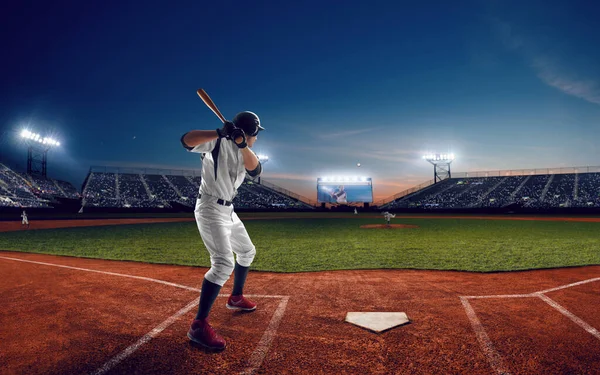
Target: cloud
(345, 133)
(353, 151)
(547, 67)
(289, 176)
(552, 75)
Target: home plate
(377, 321)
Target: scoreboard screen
(344, 190)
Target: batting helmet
(248, 122)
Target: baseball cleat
(240, 303)
(202, 333)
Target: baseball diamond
(484, 321)
(291, 188)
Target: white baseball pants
(223, 234)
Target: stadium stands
(19, 189)
(101, 190)
(541, 192)
(502, 194)
(116, 190)
(587, 190)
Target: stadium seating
(157, 191)
(502, 194)
(19, 189)
(113, 190)
(587, 190)
(549, 191)
(559, 192)
(101, 190)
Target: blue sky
(501, 84)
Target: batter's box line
(494, 358)
(257, 356)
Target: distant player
(387, 217)
(227, 158)
(340, 195)
(355, 211)
(24, 221)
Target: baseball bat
(210, 104)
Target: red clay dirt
(388, 226)
(58, 320)
(9, 226)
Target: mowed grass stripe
(296, 245)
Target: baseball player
(388, 216)
(226, 160)
(24, 221)
(340, 195)
(355, 211)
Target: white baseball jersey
(223, 169)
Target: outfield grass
(294, 245)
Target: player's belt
(220, 201)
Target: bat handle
(210, 104)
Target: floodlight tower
(441, 165)
(37, 151)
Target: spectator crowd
(531, 191)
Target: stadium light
(263, 158)
(439, 157)
(441, 165)
(29, 135)
(343, 179)
(37, 150)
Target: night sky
(501, 84)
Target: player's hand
(226, 130)
(239, 138)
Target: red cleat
(240, 303)
(202, 333)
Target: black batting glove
(225, 131)
(239, 138)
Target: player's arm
(194, 138)
(251, 162)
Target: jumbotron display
(344, 190)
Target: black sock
(239, 279)
(208, 295)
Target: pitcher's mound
(385, 226)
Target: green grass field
(295, 245)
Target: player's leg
(245, 251)
(215, 226)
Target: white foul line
(570, 285)
(107, 273)
(147, 337)
(492, 355)
(133, 277)
(257, 357)
(502, 296)
(571, 316)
